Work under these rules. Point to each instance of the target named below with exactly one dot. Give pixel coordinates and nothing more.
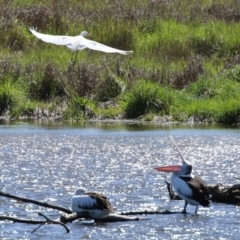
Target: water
(47, 163)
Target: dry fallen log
(218, 193)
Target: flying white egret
(96, 204)
(77, 43)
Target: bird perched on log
(192, 189)
(96, 204)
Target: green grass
(184, 63)
(146, 97)
(12, 98)
(216, 99)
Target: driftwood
(225, 194)
(67, 218)
(111, 218)
(49, 221)
(39, 203)
(30, 221)
(218, 193)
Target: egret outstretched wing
(55, 39)
(103, 48)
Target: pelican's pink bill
(174, 168)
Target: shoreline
(157, 121)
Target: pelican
(192, 189)
(77, 42)
(96, 204)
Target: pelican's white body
(95, 204)
(86, 203)
(183, 190)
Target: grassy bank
(185, 62)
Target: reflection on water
(47, 163)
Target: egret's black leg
(75, 58)
(72, 57)
(74, 61)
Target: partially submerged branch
(28, 200)
(219, 193)
(31, 221)
(20, 220)
(49, 221)
(111, 218)
(172, 195)
(70, 216)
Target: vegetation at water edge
(185, 62)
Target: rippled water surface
(48, 162)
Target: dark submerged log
(172, 195)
